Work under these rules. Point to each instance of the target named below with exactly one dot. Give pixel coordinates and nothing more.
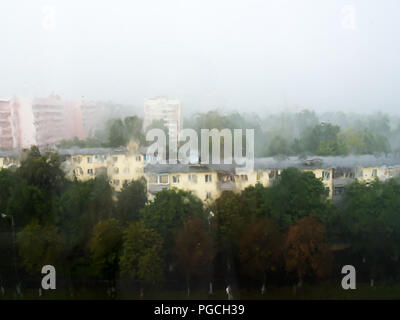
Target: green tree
(370, 222)
(229, 219)
(117, 134)
(142, 256)
(253, 201)
(168, 212)
(278, 146)
(38, 246)
(227, 226)
(43, 171)
(296, 194)
(131, 200)
(323, 139)
(105, 247)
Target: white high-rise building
(168, 110)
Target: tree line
(287, 233)
(279, 134)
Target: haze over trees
(278, 134)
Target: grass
(322, 291)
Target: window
(115, 159)
(193, 178)
(244, 177)
(375, 173)
(77, 159)
(175, 179)
(152, 179)
(338, 191)
(90, 172)
(99, 158)
(326, 175)
(208, 178)
(272, 174)
(208, 196)
(116, 182)
(89, 159)
(163, 179)
(138, 158)
(116, 170)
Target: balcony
(157, 187)
(226, 186)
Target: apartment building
(6, 124)
(208, 181)
(120, 165)
(9, 159)
(168, 110)
(40, 121)
(205, 181)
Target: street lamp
(3, 215)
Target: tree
(168, 212)
(194, 249)
(116, 134)
(38, 184)
(278, 146)
(228, 220)
(105, 247)
(131, 200)
(261, 247)
(142, 257)
(98, 205)
(134, 129)
(322, 139)
(253, 202)
(370, 222)
(228, 223)
(43, 171)
(39, 245)
(28, 202)
(297, 194)
(306, 253)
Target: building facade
(40, 121)
(123, 165)
(167, 110)
(6, 124)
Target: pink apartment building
(6, 125)
(40, 121)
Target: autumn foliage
(306, 252)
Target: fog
(236, 55)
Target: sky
(249, 56)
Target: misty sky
(248, 55)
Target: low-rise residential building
(208, 181)
(9, 158)
(120, 165)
